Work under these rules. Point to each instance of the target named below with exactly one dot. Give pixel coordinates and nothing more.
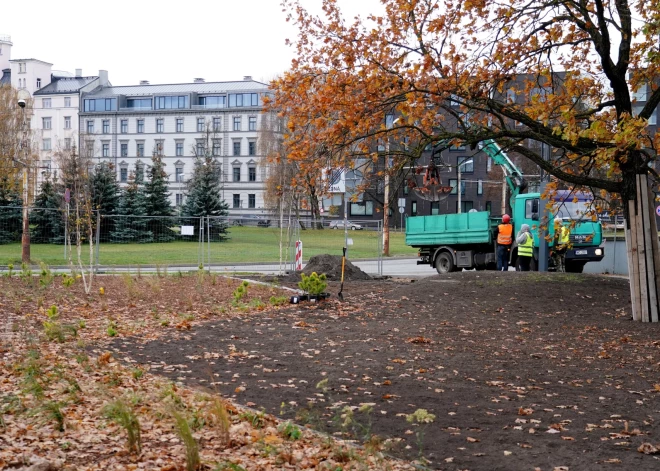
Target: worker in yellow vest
(525, 241)
(561, 242)
(504, 241)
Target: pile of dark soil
(331, 266)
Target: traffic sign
(657, 210)
(402, 209)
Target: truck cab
(586, 234)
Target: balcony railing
(208, 107)
(137, 108)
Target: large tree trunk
(643, 252)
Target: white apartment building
(127, 124)
(55, 114)
(56, 101)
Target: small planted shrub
(240, 292)
(185, 433)
(119, 412)
(313, 284)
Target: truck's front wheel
(444, 263)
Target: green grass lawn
(246, 245)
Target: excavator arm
(514, 177)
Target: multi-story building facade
(126, 125)
(55, 114)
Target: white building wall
(189, 137)
(28, 73)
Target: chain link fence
(230, 244)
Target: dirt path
(521, 370)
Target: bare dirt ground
(522, 371)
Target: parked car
(340, 225)
(252, 220)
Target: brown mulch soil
(54, 391)
(522, 371)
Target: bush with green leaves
(313, 284)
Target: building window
(124, 126)
(46, 144)
(179, 125)
(237, 123)
(413, 208)
(105, 149)
(160, 147)
(179, 148)
(38, 83)
(641, 93)
(237, 174)
(435, 208)
(160, 125)
(217, 124)
(252, 148)
(21, 67)
(139, 172)
(67, 102)
(252, 200)
(243, 99)
(140, 126)
(90, 127)
(466, 163)
(140, 149)
(365, 208)
(178, 174)
(67, 122)
(453, 183)
(171, 102)
(237, 200)
(46, 102)
(67, 143)
(466, 206)
(480, 187)
(179, 199)
(216, 147)
(237, 147)
(252, 123)
(200, 149)
(124, 149)
(123, 174)
(252, 174)
(200, 124)
(47, 123)
(106, 126)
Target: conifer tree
(158, 204)
(47, 216)
(205, 197)
(11, 217)
(130, 223)
(105, 193)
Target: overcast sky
(162, 41)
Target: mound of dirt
(331, 266)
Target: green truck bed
(450, 229)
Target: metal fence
(230, 244)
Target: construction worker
(504, 241)
(560, 245)
(525, 242)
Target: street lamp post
(25, 239)
(458, 185)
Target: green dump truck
(451, 242)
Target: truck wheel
(444, 263)
(574, 267)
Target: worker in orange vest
(504, 241)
